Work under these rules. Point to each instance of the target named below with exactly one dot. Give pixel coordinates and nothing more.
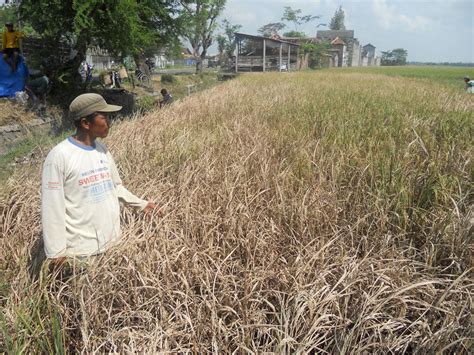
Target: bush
(168, 78)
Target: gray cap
(87, 104)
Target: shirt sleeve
(53, 209)
(4, 40)
(123, 194)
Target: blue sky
(431, 30)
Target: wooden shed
(257, 53)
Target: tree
(7, 13)
(315, 53)
(201, 22)
(294, 34)
(289, 15)
(271, 29)
(397, 56)
(337, 21)
(221, 44)
(294, 16)
(226, 41)
(122, 27)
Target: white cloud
(388, 17)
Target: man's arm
(53, 210)
(4, 40)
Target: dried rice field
(324, 212)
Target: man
(81, 187)
(11, 46)
(38, 87)
(167, 98)
(469, 85)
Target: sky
(431, 30)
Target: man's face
(9, 28)
(99, 127)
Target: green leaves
(397, 56)
(123, 27)
(201, 21)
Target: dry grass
(12, 113)
(305, 212)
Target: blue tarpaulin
(10, 82)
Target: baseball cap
(8, 24)
(86, 104)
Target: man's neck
(84, 138)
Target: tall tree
(229, 30)
(221, 44)
(337, 21)
(271, 29)
(294, 16)
(226, 41)
(201, 22)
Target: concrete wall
(356, 54)
(13, 134)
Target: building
(99, 58)
(355, 55)
(258, 53)
(368, 55)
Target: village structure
(276, 53)
(259, 53)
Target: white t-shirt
(80, 196)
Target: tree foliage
(226, 41)
(201, 21)
(337, 21)
(293, 16)
(397, 56)
(315, 52)
(7, 13)
(122, 27)
(296, 18)
(271, 29)
(294, 34)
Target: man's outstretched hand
(152, 208)
(57, 263)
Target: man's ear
(85, 124)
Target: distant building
(259, 53)
(355, 55)
(339, 53)
(161, 60)
(368, 55)
(99, 58)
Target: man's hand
(57, 263)
(152, 208)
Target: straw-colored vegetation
(13, 113)
(324, 212)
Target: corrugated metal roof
(245, 35)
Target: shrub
(168, 79)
